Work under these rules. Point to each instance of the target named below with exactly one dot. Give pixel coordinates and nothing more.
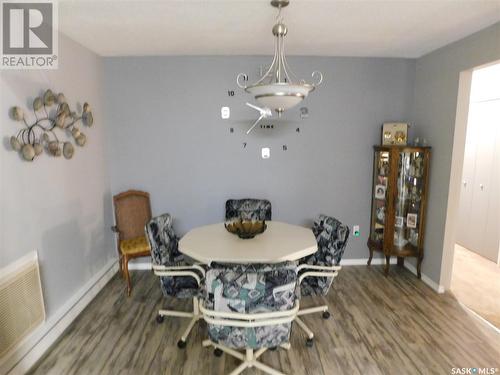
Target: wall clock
(250, 134)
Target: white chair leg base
(194, 316)
(249, 359)
(302, 325)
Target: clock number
(285, 147)
(297, 130)
(244, 144)
(231, 130)
(230, 92)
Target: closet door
(491, 241)
(482, 188)
(464, 237)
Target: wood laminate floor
(379, 325)
(476, 283)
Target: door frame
(457, 162)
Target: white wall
(61, 208)
(435, 110)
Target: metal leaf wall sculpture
(33, 138)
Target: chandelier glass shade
(279, 88)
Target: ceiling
(400, 28)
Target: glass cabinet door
(407, 208)
(380, 196)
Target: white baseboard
(32, 348)
(426, 279)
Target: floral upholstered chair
(179, 276)
(250, 307)
(248, 209)
(317, 271)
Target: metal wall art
(51, 113)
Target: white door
(482, 189)
(491, 241)
(463, 230)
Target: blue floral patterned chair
(250, 307)
(248, 209)
(179, 277)
(317, 271)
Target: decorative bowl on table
(246, 228)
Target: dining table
(280, 242)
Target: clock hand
(256, 122)
(263, 111)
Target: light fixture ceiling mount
(279, 88)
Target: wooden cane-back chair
(132, 212)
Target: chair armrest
(196, 267)
(317, 274)
(318, 268)
(178, 271)
(233, 319)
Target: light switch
(225, 113)
(266, 153)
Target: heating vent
(21, 302)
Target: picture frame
(380, 192)
(411, 220)
(399, 222)
(382, 180)
(380, 214)
(395, 133)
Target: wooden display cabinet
(399, 200)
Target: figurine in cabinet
(398, 210)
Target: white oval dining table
(280, 242)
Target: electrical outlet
(355, 231)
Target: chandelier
(276, 89)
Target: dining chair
(248, 209)
(179, 277)
(132, 212)
(317, 271)
(250, 308)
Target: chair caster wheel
(218, 352)
(326, 315)
(160, 319)
(181, 344)
(309, 343)
(273, 349)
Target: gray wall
(61, 208)
(436, 90)
(166, 137)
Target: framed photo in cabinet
(411, 220)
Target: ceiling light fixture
(276, 89)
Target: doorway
(475, 277)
